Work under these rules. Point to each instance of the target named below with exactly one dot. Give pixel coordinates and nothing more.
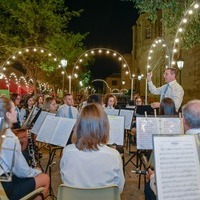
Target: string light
(177, 39)
(102, 51)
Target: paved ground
(131, 191)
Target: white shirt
(21, 167)
(63, 111)
(174, 91)
(91, 169)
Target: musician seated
(21, 134)
(89, 162)
(25, 179)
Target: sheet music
(55, 130)
(177, 167)
(116, 129)
(47, 129)
(39, 121)
(128, 114)
(63, 131)
(112, 111)
(146, 127)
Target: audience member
(89, 162)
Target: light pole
(180, 64)
(63, 63)
(70, 83)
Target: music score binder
(55, 130)
(177, 167)
(148, 126)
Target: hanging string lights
(194, 7)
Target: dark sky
(109, 23)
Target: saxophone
(31, 150)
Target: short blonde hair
(92, 128)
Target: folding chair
(71, 193)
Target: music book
(116, 133)
(177, 167)
(39, 121)
(148, 126)
(55, 130)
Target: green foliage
(172, 13)
(42, 23)
(85, 77)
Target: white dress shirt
(174, 91)
(91, 169)
(21, 168)
(63, 111)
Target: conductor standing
(171, 89)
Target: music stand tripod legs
(50, 163)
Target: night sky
(109, 23)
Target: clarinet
(31, 150)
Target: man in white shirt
(67, 110)
(171, 89)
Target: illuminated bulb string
(181, 28)
(100, 51)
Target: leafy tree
(41, 23)
(172, 12)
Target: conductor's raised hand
(149, 76)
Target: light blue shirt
(174, 91)
(63, 111)
(21, 168)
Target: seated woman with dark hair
(167, 107)
(25, 179)
(89, 162)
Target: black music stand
(52, 152)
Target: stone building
(144, 34)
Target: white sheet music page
(63, 131)
(47, 129)
(38, 123)
(112, 111)
(128, 114)
(177, 167)
(148, 126)
(116, 134)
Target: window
(147, 33)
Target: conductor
(171, 89)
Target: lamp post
(132, 78)
(70, 83)
(63, 63)
(180, 64)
